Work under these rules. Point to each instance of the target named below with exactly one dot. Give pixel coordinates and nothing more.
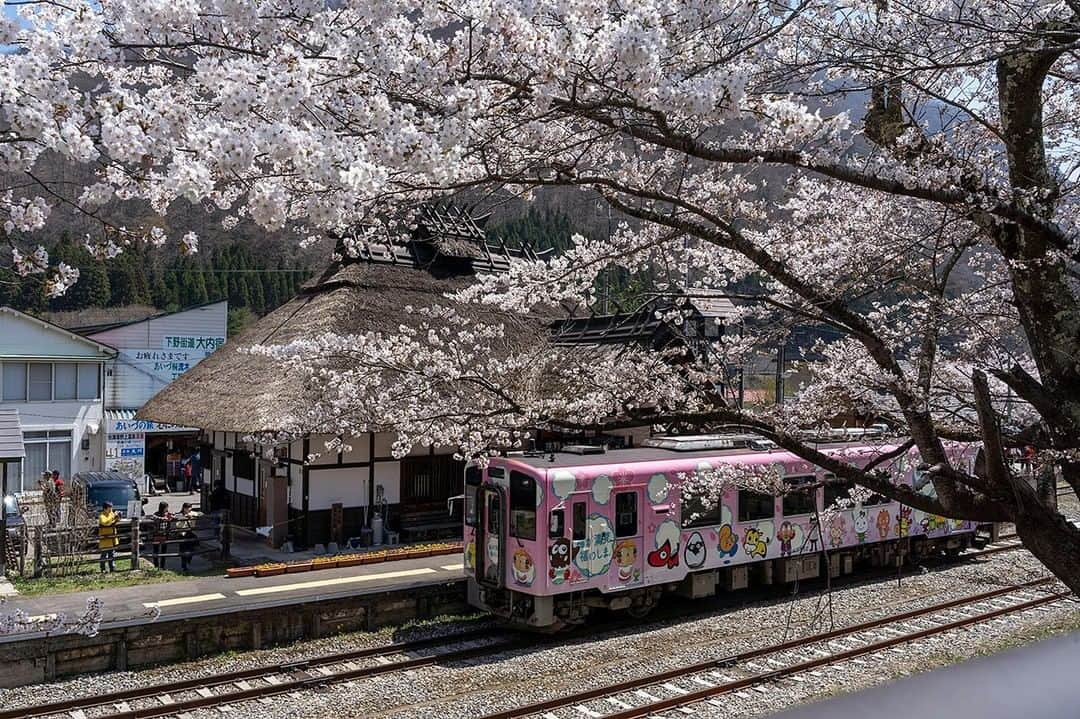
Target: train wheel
(640, 611)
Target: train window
(470, 507)
(522, 506)
(800, 499)
(625, 514)
(835, 489)
(696, 514)
(841, 490)
(472, 476)
(557, 527)
(579, 520)
(754, 506)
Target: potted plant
(373, 557)
(420, 550)
(240, 572)
(350, 560)
(270, 569)
(302, 565)
(324, 562)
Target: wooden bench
(423, 523)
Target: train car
(550, 538)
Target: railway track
(699, 683)
(259, 684)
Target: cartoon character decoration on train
(559, 561)
(727, 542)
(470, 554)
(695, 552)
(491, 566)
(785, 535)
(666, 554)
(524, 569)
(658, 488)
(933, 523)
(563, 483)
(626, 561)
(837, 527)
(883, 522)
(601, 489)
(958, 524)
(862, 525)
(755, 543)
(592, 556)
(903, 522)
(813, 538)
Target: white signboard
(178, 354)
(125, 448)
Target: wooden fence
(60, 551)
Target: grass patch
(89, 577)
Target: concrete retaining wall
(41, 659)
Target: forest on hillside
(253, 281)
(144, 275)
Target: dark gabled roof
(647, 325)
(444, 236)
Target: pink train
(549, 538)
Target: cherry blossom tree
(900, 171)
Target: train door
(580, 540)
(490, 537)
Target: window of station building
(39, 388)
(65, 380)
(46, 451)
(754, 506)
(15, 381)
(626, 514)
(522, 506)
(51, 381)
(800, 498)
(580, 511)
(696, 514)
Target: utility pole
(780, 372)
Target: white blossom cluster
(843, 164)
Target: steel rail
(217, 680)
(697, 696)
(725, 662)
(258, 673)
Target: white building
(54, 379)
(152, 352)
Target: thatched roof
(235, 391)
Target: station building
(151, 352)
(234, 396)
(296, 489)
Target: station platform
(208, 596)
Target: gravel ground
(506, 679)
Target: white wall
(388, 474)
(22, 336)
(359, 452)
(347, 485)
(296, 487)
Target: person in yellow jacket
(107, 535)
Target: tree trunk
(1053, 540)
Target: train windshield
(522, 506)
